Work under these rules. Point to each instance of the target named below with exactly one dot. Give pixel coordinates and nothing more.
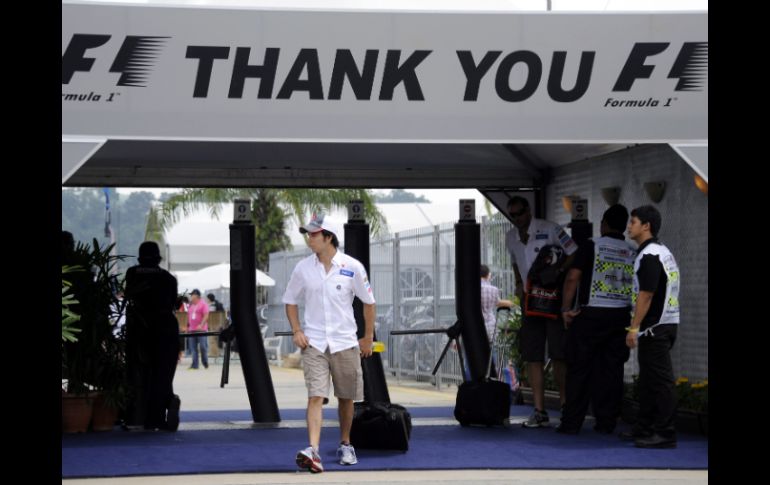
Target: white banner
(187, 73)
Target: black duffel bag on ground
(380, 426)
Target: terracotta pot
(104, 416)
(76, 411)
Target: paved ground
(200, 391)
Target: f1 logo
(134, 60)
(690, 67)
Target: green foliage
(693, 396)
(68, 317)
(690, 396)
(83, 214)
(509, 332)
(270, 208)
(130, 223)
(96, 359)
(270, 235)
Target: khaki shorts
(343, 366)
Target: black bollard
(357, 246)
(243, 299)
(468, 294)
(581, 229)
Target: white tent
(216, 276)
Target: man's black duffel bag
(380, 426)
(483, 403)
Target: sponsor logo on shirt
(346, 272)
(541, 236)
(566, 241)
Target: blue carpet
(120, 453)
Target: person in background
(198, 322)
(182, 303)
(214, 305)
(490, 302)
(327, 282)
(152, 340)
(653, 329)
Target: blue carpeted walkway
(120, 453)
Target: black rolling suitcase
(485, 403)
(380, 426)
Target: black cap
(196, 291)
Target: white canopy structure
(215, 277)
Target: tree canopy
(270, 209)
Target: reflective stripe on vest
(670, 312)
(613, 271)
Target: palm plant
(68, 317)
(270, 208)
(95, 360)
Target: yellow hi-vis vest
(613, 273)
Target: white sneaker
(308, 459)
(346, 454)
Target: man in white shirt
(328, 281)
(524, 242)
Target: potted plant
(76, 409)
(68, 317)
(692, 404)
(93, 363)
(509, 331)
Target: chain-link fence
(412, 277)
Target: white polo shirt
(328, 299)
(541, 232)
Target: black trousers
(152, 354)
(596, 351)
(164, 352)
(657, 393)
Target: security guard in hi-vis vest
(653, 328)
(601, 276)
